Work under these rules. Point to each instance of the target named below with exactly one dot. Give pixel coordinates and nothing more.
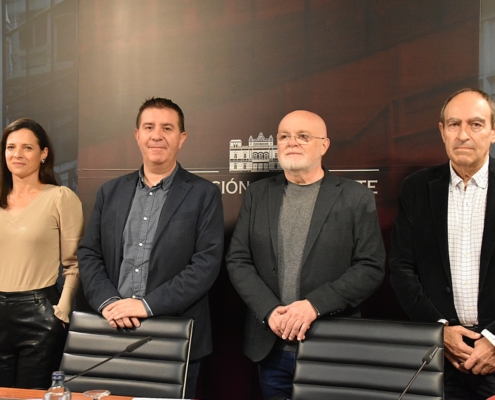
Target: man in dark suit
(307, 244)
(154, 242)
(443, 261)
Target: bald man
(307, 245)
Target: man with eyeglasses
(442, 262)
(307, 245)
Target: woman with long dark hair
(40, 227)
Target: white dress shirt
(466, 218)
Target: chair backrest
(157, 369)
(364, 359)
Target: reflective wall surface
(40, 74)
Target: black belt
(474, 328)
(30, 294)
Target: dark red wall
(376, 71)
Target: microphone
(128, 349)
(430, 355)
(138, 344)
(426, 360)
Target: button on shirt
(466, 216)
(139, 234)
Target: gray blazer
(343, 259)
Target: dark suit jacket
(343, 259)
(185, 258)
(419, 261)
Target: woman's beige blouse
(35, 242)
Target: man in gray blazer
(154, 243)
(307, 245)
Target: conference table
(9, 393)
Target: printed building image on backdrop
(258, 155)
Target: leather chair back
(157, 369)
(364, 359)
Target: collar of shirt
(480, 178)
(164, 184)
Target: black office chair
(157, 369)
(349, 359)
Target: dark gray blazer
(185, 258)
(343, 259)
(419, 260)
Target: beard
(299, 166)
